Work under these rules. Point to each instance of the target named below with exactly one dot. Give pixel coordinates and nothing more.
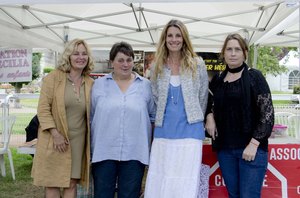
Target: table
(28, 147)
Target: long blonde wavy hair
(64, 63)
(188, 61)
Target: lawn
(31, 103)
(22, 121)
(22, 186)
(282, 102)
(24, 114)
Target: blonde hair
(64, 63)
(188, 55)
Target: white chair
(282, 118)
(6, 125)
(294, 125)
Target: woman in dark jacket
(240, 118)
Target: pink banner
(15, 65)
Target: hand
(59, 142)
(210, 126)
(250, 150)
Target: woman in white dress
(180, 88)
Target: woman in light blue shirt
(121, 115)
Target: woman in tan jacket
(63, 149)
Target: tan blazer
(51, 168)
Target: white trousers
(174, 169)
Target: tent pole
(255, 56)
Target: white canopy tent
(49, 24)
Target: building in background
(286, 81)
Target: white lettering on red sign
(219, 181)
(265, 181)
(298, 190)
(285, 154)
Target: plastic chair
(294, 125)
(6, 124)
(282, 118)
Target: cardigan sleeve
(203, 91)
(263, 101)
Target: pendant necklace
(174, 100)
(77, 94)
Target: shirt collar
(137, 76)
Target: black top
(32, 129)
(242, 109)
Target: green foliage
(36, 61)
(48, 69)
(282, 102)
(36, 65)
(296, 89)
(268, 59)
(22, 186)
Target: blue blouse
(175, 125)
(121, 122)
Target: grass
(282, 102)
(22, 120)
(281, 92)
(24, 116)
(22, 186)
(32, 103)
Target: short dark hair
(123, 47)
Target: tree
(47, 70)
(36, 61)
(268, 59)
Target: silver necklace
(174, 100)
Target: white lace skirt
(174, 169)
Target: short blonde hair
(64, 63)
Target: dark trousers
(127, 175)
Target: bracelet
(254, 143)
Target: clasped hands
(60, 143)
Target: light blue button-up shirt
(121, 122)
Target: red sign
(282, 179)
